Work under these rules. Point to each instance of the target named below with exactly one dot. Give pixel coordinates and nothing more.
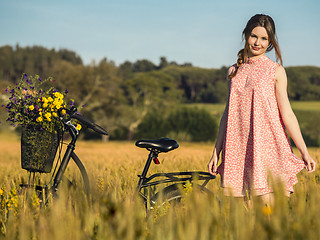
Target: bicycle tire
(83, 172)
(173, 195)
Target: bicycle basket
(38, 149)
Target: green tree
(148, 91)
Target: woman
(252, 137)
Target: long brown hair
(258, 20)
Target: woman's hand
(212, 166)
(309, 162)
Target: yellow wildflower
(54, 114)
(78, 127)
(39, 119)
(63, 112)
(50, 99)
(267, 210)
(45, 105)
(31, 107)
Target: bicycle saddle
(162, 144)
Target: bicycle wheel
(173, 194)
(83, 172)
(68, 177)
(69, 181)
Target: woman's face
(258, 42)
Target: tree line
(120, 97)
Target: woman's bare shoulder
(280, 73)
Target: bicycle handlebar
(73, 114)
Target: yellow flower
(39, 119)
(267, 210)
(44, 99)
(78, 127)
(31, 107)
(45, 105)
(54, 114)
(50, 99)
(63, 112)
(47, 115)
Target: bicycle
(155, 147)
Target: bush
(120, 133)
(152, 126)
(183, 124)
(198, 123)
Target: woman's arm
(289, 119)
(213, 164)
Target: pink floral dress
(256, 147)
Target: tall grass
(114, 212)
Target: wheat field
(113, 211)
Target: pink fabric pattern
(256, 145)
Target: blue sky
(206, 33)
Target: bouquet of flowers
(30, 104)
(36, 110)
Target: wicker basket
(38, 149)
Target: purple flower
(83, 105)
(66, 91)
(40, 79)
(71, 103)
(25, 76)
(7, 90)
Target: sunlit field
(114, 212)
